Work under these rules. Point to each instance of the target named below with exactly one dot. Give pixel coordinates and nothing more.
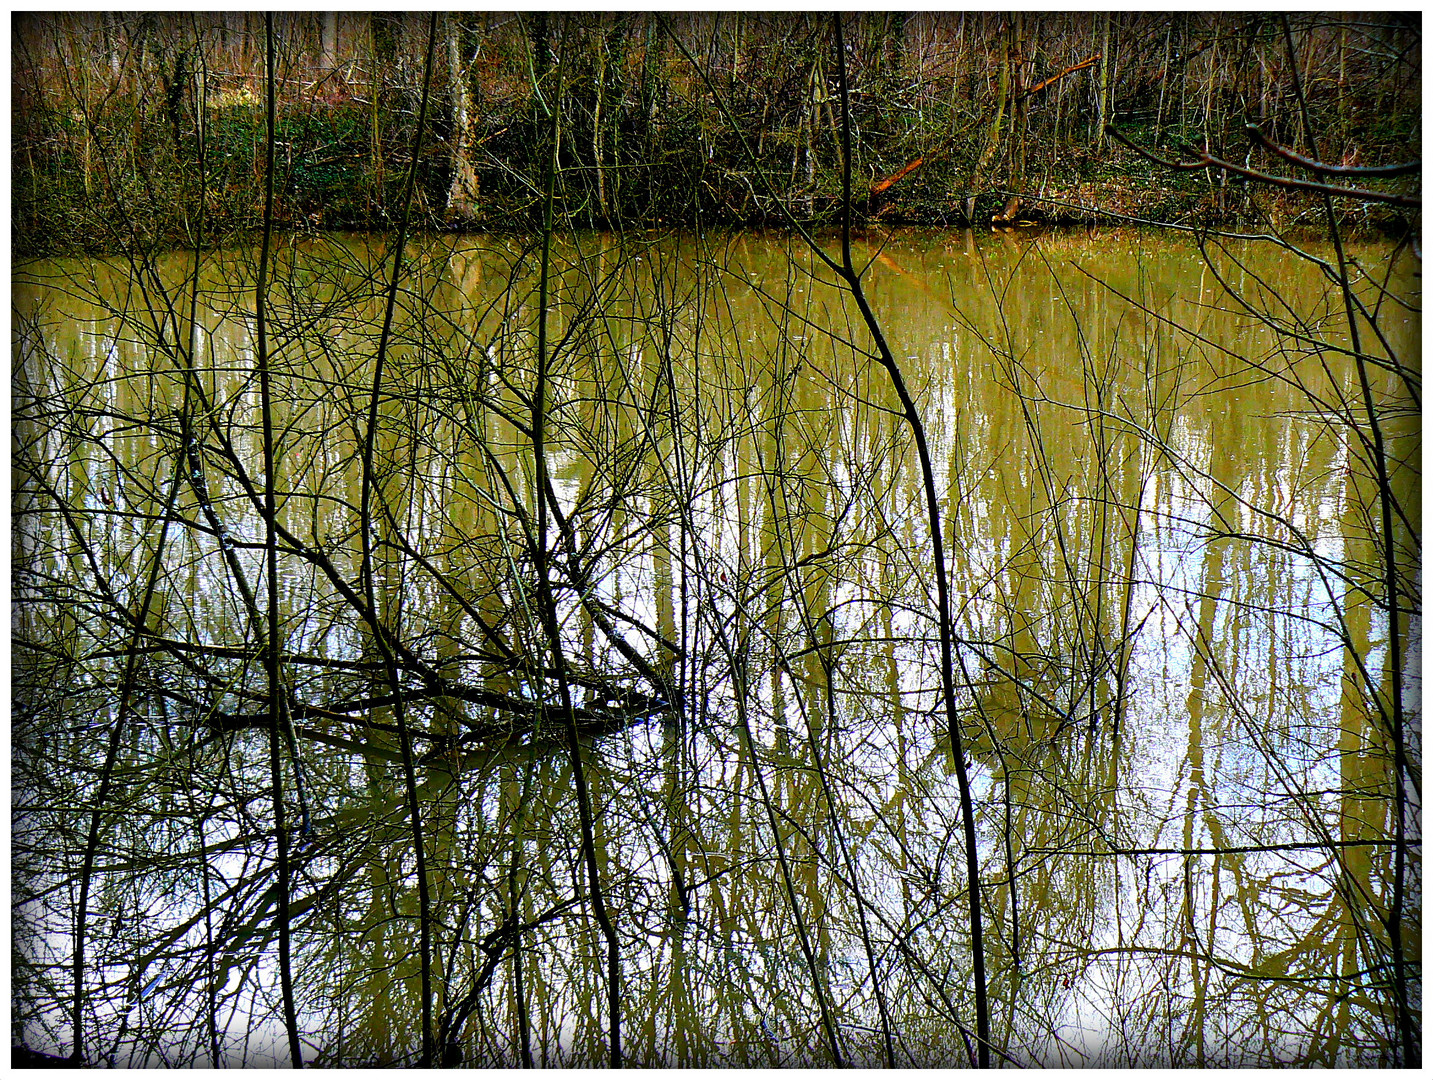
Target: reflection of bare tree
(1165, 521)
(791, 558)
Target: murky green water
(1181, 704)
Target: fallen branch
(1206, 160)
(1056, 78)
(882, 185)
(1405, 169)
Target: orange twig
(1056, 78)
(881, 185)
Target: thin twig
(276, 710)
(887, 360)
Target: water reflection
(1167, 577)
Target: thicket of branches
(964, 109)
(447, 649)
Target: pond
(636, 606)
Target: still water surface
(1174, 667)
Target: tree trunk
(808, 148)
(114, 33)
(328, 36)
(463, 191)
(1163, 83)
(736, 47)
(1101, 108)
(384, 54)
(992, 137)
(618, 44)
(1019, 104)
(599, 90)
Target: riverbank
(154, 129)
(62, 222)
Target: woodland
(722, 118)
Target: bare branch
(1209, 161)
(1405, 169)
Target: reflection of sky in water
(1100, 933)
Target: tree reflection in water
(1169, 606)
